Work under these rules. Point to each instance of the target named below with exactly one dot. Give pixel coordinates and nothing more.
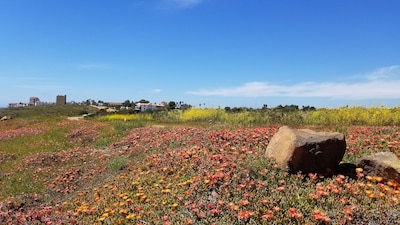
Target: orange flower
(359, 170)
(233, 207)
(268, 216)
(349, 209)
(391, 183)
(276, 208)
(312, 176)
(123, 211)
(244, 214)
(318, 215)
(313, 196)
(293, 213)
(243, 202)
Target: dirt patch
(158, 126)
(75, 118)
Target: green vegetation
(117, 163)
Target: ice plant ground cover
(102, 172)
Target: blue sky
(218, 52)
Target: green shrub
(117, 163)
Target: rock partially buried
(5, 118)
(306, 151)
(382, 164)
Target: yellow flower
(166, 191)
(130, 216)
(373, 195)
(107, 210)
(391, 183)
(378, 179)
(143, 198)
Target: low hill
(47, 110)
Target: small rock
(5, 118)
(382, 164)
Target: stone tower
(61, 100)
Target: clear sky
(323, 53)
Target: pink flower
(215, 211)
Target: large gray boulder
(382, 164)
(306, 151)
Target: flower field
(107, 172)
(375, 116)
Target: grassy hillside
(46, 111)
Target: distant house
(15, 104)
(34, 101)
(111, 110)
(143, 107)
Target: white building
(143, 107)
(17, 104)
